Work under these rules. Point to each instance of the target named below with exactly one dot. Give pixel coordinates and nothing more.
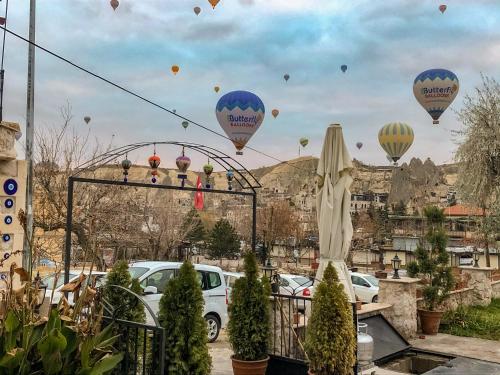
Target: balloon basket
(435, 122)
(239, 152)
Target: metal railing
(289, 322)
(143, 347)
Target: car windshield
(302, 280)
(49, 280)
(136, 272)
(372, 280)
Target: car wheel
(213, 327)
(375, 299)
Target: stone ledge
(403, 280)
(477, 268)
(371, 309)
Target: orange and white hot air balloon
(114, 4)
(213, 3)
(275, 113)
(175, 69)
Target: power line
(95, 75)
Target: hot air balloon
(86, 119)
(343, 68)
(240, 114)
(435, 89)
(18, 135)
(114, 4)
(185, 124)
(359, 145)
(304, 142)
(216, 88)
(175, 69)
(395, 138)
(286, 77)
(213, 3)
(275, 113)
(442, 8)
(197, 10)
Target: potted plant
(249, 321)
(330, 340)
(432, 264)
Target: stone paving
(486, 350)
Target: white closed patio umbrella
(333, 201)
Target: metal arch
(246, 179)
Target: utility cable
(95, 75)
(2, 72)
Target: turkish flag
(198, 196)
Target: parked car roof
(360, 274)
(159, 264)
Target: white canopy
(333, 201)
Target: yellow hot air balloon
(213, 3)
(175, 69)
(396, 138)
(275, 113)
(216, 88)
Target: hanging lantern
(208, 169)
(126, 164)
(230, 178)
(154, 163)
(183, 163)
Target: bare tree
(59, 151)
(478, 153)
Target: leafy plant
(331, 340)
(181, 314)
(68, 342)
(223, 240)
(432, 261)
(249, 320)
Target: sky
(249, 45)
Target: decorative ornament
(230, 178)
(154, 162)
(9, 203)
(183, 163)
(10, 186)
(126, 164)
(8, 219)
(6, 256)
(208, 169)
(6, 237)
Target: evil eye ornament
(9, 203)
(10, 186)
(8, 219)
(6, 237)
(6, 256)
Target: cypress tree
(223, 241)
(330, 339)
(181, 314)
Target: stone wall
(459, 297)
(495, 289)
(401, 295)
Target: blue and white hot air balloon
(240, 114)
(435, 89)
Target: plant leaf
(106, 363)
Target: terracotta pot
(249, 367)
(381, 274)
(430, 320)
(420, 294)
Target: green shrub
(127, 307)
(432, 261)
(181, 314)
(331, 339)
(249, 314)
(223, 241)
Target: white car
(154, 276)
(55, 286)
(230, 278)
(296, 285)
(365, 287)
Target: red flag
(198, 196)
